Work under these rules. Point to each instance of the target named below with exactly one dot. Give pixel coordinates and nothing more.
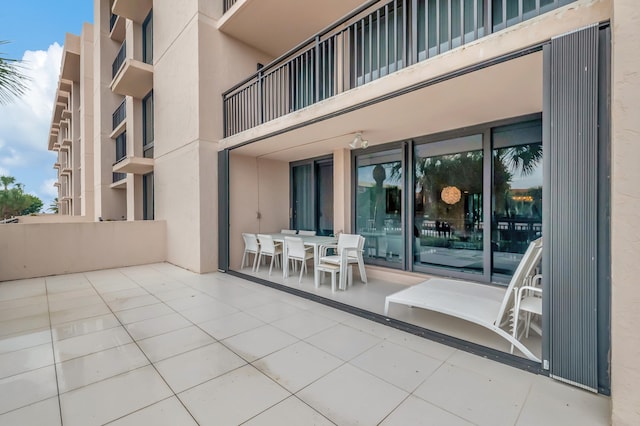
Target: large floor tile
(476, 397)
(132, 302)
(169, 412)
(11, 313)
(43, 413)
(64, 304)
(90, 343)
(17, 362)
(291, 411)
(82, 371)
(207, 312)
(230, 325)
(113, 398)
(298, 365)
(143, 313)
(304, 324)
(78, 313)
(259, 342)
(175, 342)
(232, 398)
(174, 293)
(273, 311)
(60, 286)
(349, 395)
(553, 403)
(343, 341)
(85, 326)
(154, 326)
(397, 365)
(21, 325)
(184, 303)
(21, 289)
(112, 296)
(26, 388)
(197, 366)
(26, 339)
(420, 344)
(414, 411)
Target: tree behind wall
(14, 201)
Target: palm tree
(6, 181)
(12, 80)
(53, 207)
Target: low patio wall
(42, 249)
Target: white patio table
(308, 240)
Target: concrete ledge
(43, 249)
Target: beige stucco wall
(53, 218)
(625, 211)
(35, 250)
(258, 200)
(85, 115)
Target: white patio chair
(528, 303)
(307, 233)
(297, 252)
(269, 248)
(251, 246)
(288, 231)
(348, 252)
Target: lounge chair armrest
(536, 280)
(532, 289)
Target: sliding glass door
(312, 196)
(379, 206)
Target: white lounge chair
(251, 246)
(348, 251)
(484, 305)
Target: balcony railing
(117, 177)
(119, 114)
(112, 21)
(120, 57)
(369, 43)
(227, 4)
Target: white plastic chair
(288, 231)
(348, 251)
(268, 248)
(307, 233)
(529, 303)
(251, 246)
(297, 252)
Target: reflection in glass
(302, 203)
(379, 206)
(517, 203)
(448, 206)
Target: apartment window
(147, 125)
(147, 196)
(121, 147)
(147, 39)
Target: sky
(35, 30)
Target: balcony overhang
(56, 166)
(134, 78)
(62, 96)
(64, 124)
(57, 184)
(135, 165)
(70, 68)
(136, 10)
(65, 114)
(121, 184)
(66, 170)
(66, 142)
(120, 129)
(65, 85)
(263, 25)
(57, 111)
(118, 32)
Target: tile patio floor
(158, 345)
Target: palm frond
(13, 81)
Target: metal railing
(117, 177)
(227, 4)
(112, 21)
(375, 40)
(120, 57)
(119, 114)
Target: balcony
(117, 28)
(263, 25)
(134, 78)
(119, 60)
(118, 119)
(65, 114)
(66, 142)
(364, 46)
(136, 10)
(135, 165)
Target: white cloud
(47, 189)
(25, 121)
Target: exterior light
(450, 194)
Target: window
(312, 195)
(147, 197)
(147, 39)
(147, 126)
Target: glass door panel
(379, 207)
(324, 173)
(517, 193)
(448, 194)
(302, 197)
